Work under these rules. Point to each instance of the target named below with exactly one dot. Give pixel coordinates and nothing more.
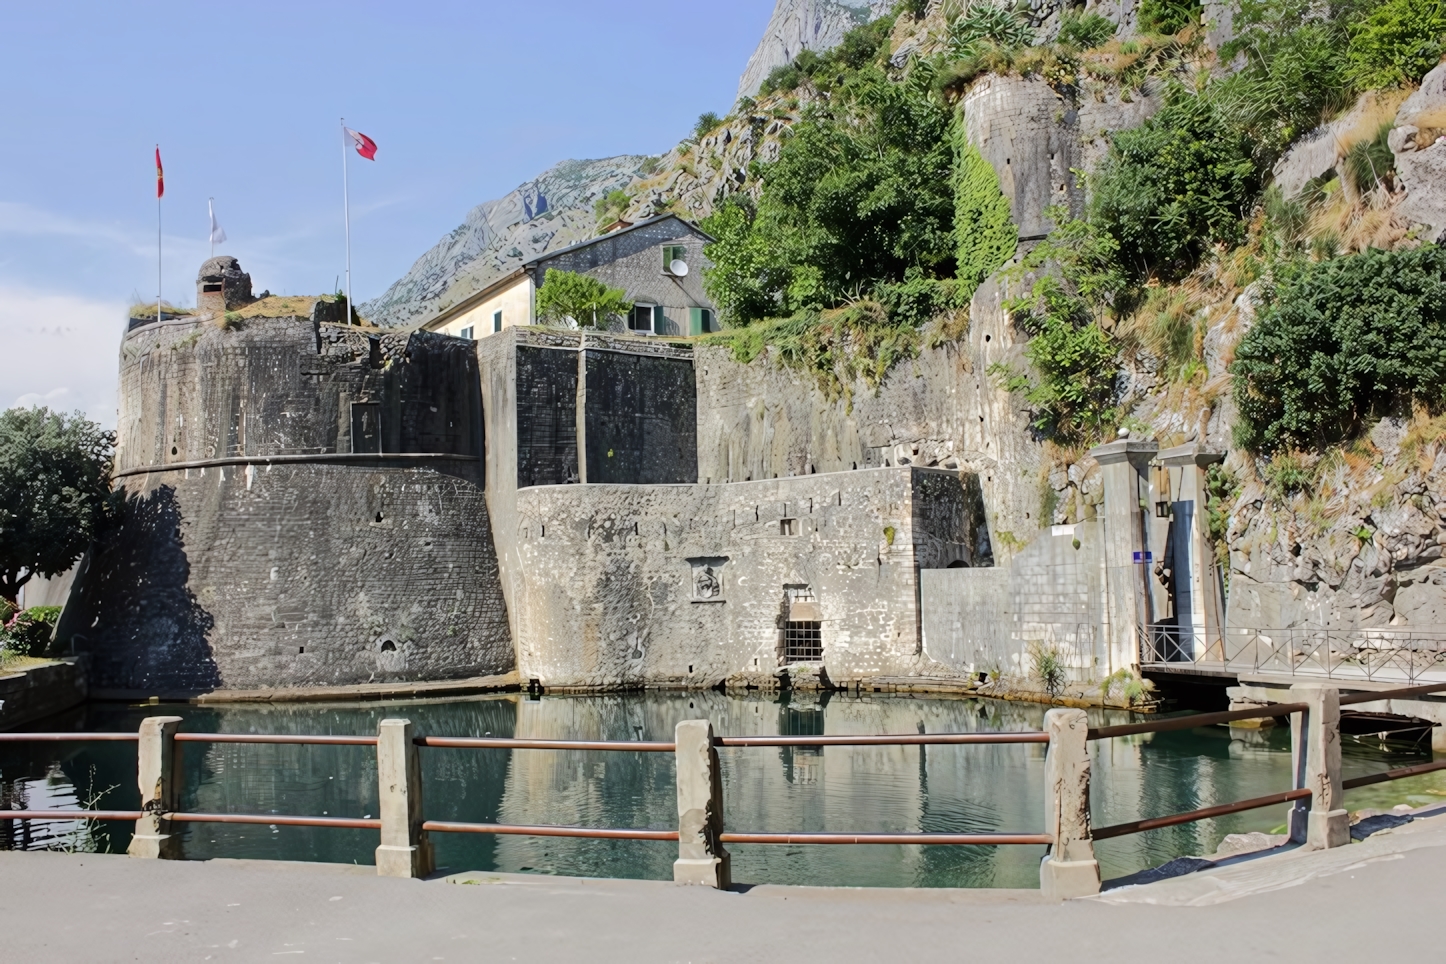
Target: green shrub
(1338, 342)
(1286, 474)
(1047, 667)
(706, 124)
(610, 207)
(984, 23)
(1397, 43)
(984, 230)
(28, 633)
(1168, 16)
(1173, 186)
(860, 195)
(917, 300)
(1085, 31)
(781, 80)
(1370, 163)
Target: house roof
(472, 300)
(549, 255)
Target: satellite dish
(678, 267)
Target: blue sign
(1141, 558)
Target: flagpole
(158, 246)
(211, 210)
(346, 217)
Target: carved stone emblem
(707, 579)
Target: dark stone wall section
(320, 573)
(641, 419)
(248, 577)
(948, 520)
(546, 416)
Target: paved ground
(1376, 900)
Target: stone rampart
(304, 507)
(688, 585)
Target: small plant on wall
(1047, 667)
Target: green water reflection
(937, 788)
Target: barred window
(802, 641)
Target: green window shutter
(695, 321)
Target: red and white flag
(160, 175)
(365, 146)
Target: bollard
(701, 857)
(405, 850)
(1315, 750)
(158, 775)
(1071, 869)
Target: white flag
(218, 234)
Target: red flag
(160, 175)
(365, 146)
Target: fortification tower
(221, 285)
(304, 507)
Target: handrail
(956, 839)
(68, 737)
(1205, 813)
(70, 814)
(900, 739)
(302, 739)
(1191, 722)
(595, 833)
(1396, 694)
(1388, 775)
(279, 820)
(507, 743)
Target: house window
(671, 253)
(802, 641)
(496, 321)
(646, 318)
(465, 333)
(788, 527)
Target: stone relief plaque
(706, 577)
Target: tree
(580, 298)
(54, 492)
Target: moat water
(934, 788)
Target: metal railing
(1386, 654)
(1315, 816)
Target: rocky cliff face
(551, 211)
(799, 25)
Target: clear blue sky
(466, 101)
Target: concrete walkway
(1375, 900)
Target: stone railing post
(1315, 749)
(701, 857)
(1071, 869)
(405, 850)
(158, 774)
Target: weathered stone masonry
(305, 508)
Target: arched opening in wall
(388, 646)
(957, 564)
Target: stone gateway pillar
(1127, 562)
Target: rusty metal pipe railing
(69, 737)
(507, 743)
(1191, 722)
(950, 839)
(450, 826)
(70, 815)
(279, 820)
(1396, 694)
(1154, 823)
(302, 739)
(901, 739)
(1389, 775)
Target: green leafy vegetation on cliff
(54, 492)
(1337, 342)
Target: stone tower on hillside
(221, 285)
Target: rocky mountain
(553, 210)
(799, 25)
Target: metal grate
(802, 641)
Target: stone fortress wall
(304, 508)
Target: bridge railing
(1316, 817)
(1380, 654)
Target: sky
(465, 100)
